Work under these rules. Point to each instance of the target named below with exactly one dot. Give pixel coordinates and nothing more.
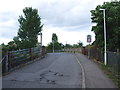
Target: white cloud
(69, 19)
(4, 40)
(63, 35)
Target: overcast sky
(69, 19)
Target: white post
(105, 54)
(41, 38)
(40, 42)
(105, 38)
(89, 51)
(53, 46)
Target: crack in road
(44, 76)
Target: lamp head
(102, 9)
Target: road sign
(88, 38)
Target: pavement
(94, 76)
(59, 70)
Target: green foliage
(68, 46)
(112, 25)
(54, 37)
(112, 76)
(17, 42)
(75, 45)
(30, 26)
(12, 46)
(49, 47)
(57, 45)
(80, 44)
(4, 49)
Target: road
(58, 70)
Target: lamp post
(40, 42)
(105, 55)
(41, 38)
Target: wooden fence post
(6, 63)
(40, 51)
(43, 51)
(9, 60)
(30, 52)
(118, 51)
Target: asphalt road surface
(58, 70)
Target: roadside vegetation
(106, 70)
(29, 28)
(112, 19)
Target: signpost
(89, 41)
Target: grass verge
(106, 70)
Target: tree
(112, 25)
(54, 38)
(30, 26)
(49, 47)
(75, 45)
(17, 42)
(80, 44)
(4, 49)
(12, 46)
(68, 46)
(57, 45)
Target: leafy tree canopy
(54, 37)
(29, 27)
(57, 45)
(112, 25)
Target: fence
(79, 50)
(113, 61)
(16, 58)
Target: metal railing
(113, 63)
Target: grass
(113, 77)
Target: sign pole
(89, 52)
(89, 40)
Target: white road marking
(83, 73)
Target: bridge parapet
(20, 57)
(73, 50)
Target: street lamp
(105, 55)
(40, 37)
(40, 42)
